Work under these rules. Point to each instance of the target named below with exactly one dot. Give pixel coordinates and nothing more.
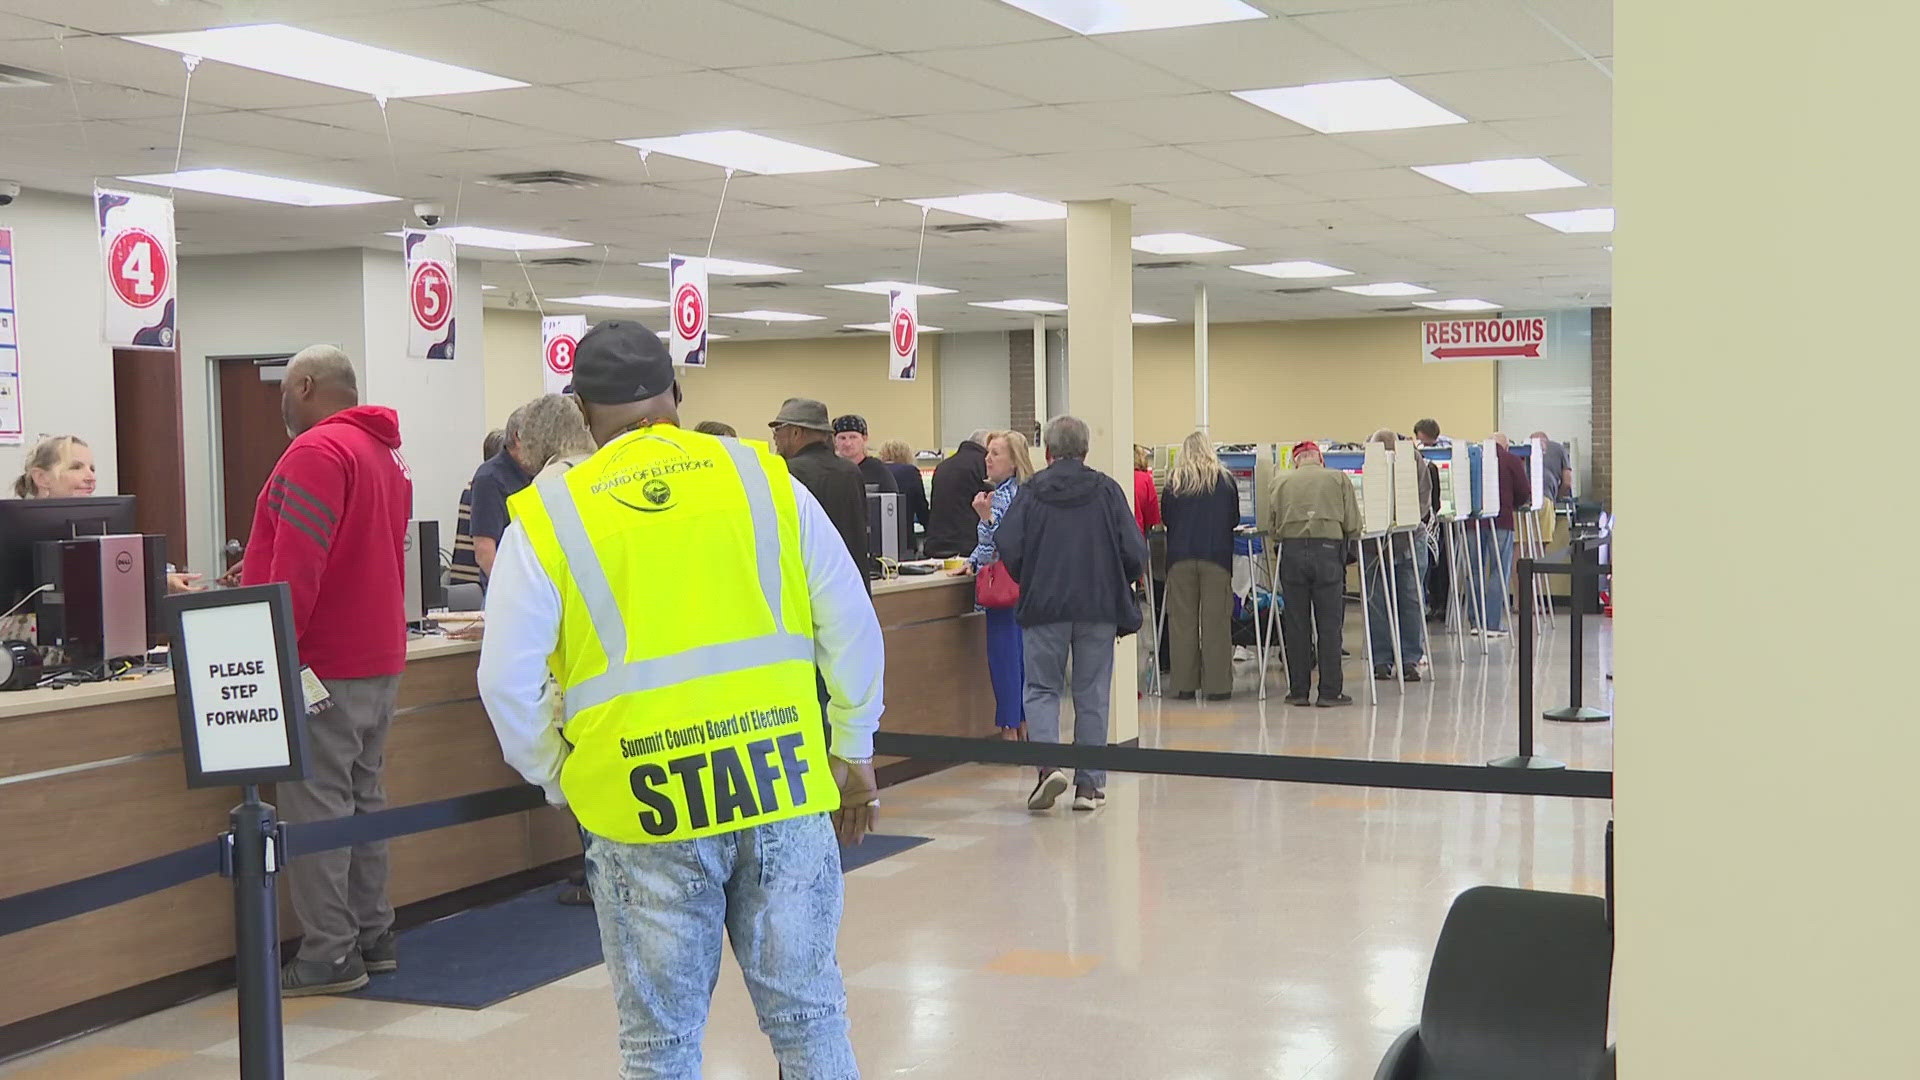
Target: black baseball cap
(620, 362)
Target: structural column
(1100, 333)
(1040, 368)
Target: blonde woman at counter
(61, 467)
(1009, 465)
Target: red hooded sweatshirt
(331, 523)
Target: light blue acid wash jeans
(775, 891)
(1496, 555)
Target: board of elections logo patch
(656, 492)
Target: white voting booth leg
(1276, 626)
(1481, 585)
(1366, 627)
(1456, 612)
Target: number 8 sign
(136, 255)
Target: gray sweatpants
(1047, 648)
(340, 896)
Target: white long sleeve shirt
(523, 627)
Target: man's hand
(859, 799)
(231, 578)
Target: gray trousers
(1200, 626)
(1048, 648)
(340, 896)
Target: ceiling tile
(1143, 165)
(1296, 156)
(1056, 72)
(885, 85)
(122, 17)
(1034, 130)
(717, 34)
(889, 142)
(892, 26)
(1444, 35)
(1427, 146)
(1239, 191)
(1431, 207)
(123, 63)
(1243, 55)
(1558, 136)
(498, 43)
(1569, 87)
(713, 101)
(567, 111)
(1188, 118)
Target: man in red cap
(1315, 515)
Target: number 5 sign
(136, 255)
(430, 289)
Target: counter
(91, 779)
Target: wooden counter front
(937, 681)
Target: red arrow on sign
(1490, 350)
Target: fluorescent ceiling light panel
(274, 189)
(1299, 268)
(1121, 16)
(735, 268)
(603, 300)
(882, 288)
(1577, 221)
(884, 328)
(1019, 305)
(1457, 305)
(1385, 288)
(330, 61)
(1360, 105)
(1503, 174)
(1180, 243)
(770, 316)
(996, 206)
(747, 152)
(501, 240)
(1146, 320)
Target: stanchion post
(1585, 576)
(1525, 759)
(253, 859)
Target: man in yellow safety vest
(680, 589)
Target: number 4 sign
(430, 288)
(136, 255)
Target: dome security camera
(429, 213)
(9, 191)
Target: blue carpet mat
(486, 955)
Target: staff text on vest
(717, 786)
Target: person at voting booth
(331, 523)
(1403, 581)
(682, 589)
(1315, 515)
(1496, 546)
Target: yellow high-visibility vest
(686, 637)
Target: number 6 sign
(136, 255)
(430, 294)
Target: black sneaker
(1228, 696)
(1052, 783)
(1299, 699)
(1184, 695)
(382, 955)
(1413, 674)
(1326, 702)
(306, 978)
(1383, 673)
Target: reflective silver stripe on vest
(588, 575)
(766, 526)
(662, 671)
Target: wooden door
(151, 448)
(253, 435)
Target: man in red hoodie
(331, 523)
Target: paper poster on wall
(12, 427)
(559, 337)
(136, 254)
(1490, 478)
(903, 337)
(1537, 473)
(687, 285)
(430, 289)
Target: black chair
(1517, 991)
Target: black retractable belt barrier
(252, 859)
(1523, 571)
(1585, 570)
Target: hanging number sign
(430, 291)
(903, 334)
(559, 339)
(136, 255)
(687, 284)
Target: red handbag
(993, 587)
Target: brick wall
(1601, 489)
(1020, 381)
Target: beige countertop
(160, 684)
(922, 581)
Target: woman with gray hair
(553, 435)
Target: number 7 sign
(137, 259)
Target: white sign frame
(432, 281)
(688, 310)
(136, 246)
(13, 425)
(559, 341)
(1500, 337)
(903, 335)
(217, 649)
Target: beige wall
(513, 361)
(1326, 378)
(1765, 758)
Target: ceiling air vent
(760, 285)
(1301, 292)
(543, 180)
(13, 78)
(851, 330)
(958, 227)
(1395, 310)
(1170, 264)
(562, 260)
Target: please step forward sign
(237, 681)
(1498, 338)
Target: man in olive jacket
(1070, 540)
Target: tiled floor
(1191, 929)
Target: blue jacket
(1201, 526)
(1071, 542)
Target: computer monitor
(26, 522)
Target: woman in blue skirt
(1008, 466)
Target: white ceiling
(949, 96)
